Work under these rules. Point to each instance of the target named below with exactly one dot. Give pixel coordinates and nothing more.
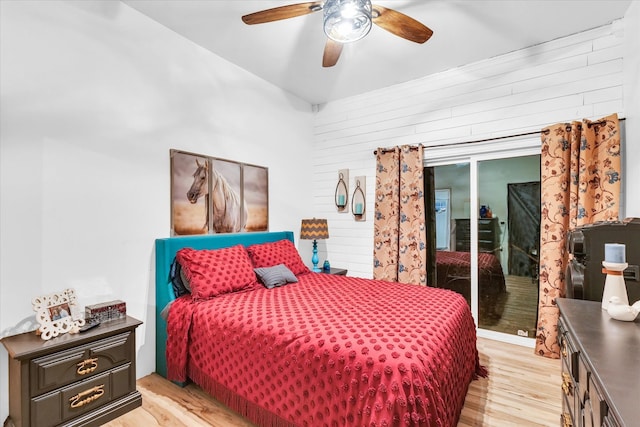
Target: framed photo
(58, 314)
(211, 195)
(255, 188)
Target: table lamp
(314, 229)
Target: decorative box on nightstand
(75, 379)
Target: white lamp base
(614, 283)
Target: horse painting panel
(229, 211)
(255, 185)
(188, 214)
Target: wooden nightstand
(336, 271)
(75, 379)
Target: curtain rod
(495, 138)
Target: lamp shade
(314, 229)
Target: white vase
(614, 283)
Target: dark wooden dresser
(600, 366)
(488, 235)
(81, 379)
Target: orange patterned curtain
(580, 184)
(400, 250)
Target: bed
(324, 350)
(453, 271)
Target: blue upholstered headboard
(165, 253)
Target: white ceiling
(288, 53)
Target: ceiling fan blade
(400, 24)
(332, 51)
(282, 12)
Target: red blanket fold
(332, 350)
(178, 326)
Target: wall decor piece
(58, 314)
(341, 195)
(358, 199)
(189, 185)
(227, 209)
(211, 195)
(255, 186)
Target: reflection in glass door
(508, 244)
(453, 261)
(443, 223)
(492, 256)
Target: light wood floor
(522, 390)
(518, 308)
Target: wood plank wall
(580, 76)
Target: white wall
(576, 77)
(94, 95)
(632, 105)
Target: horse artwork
(200, 188)
(255, 190)
(229, 211)
(212, 195)
(188, 217)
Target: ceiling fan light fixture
(346, 21)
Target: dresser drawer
(485, 223)
(610, 421)
(570, 391)
(567, 415)
(568, 350)
(583, 380)
(67, 403)
(598, 404)
(486, 245)
(65, 367)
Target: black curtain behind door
(430, 220)
(523, 204)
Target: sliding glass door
(492, 230)
(508, 244)
(452, 266)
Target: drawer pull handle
(86, 396)
(567, 384)
(87, 366)
(566, 420)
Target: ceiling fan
(346, 21)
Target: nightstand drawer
(70, 402)
(64, 367)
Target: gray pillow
(277, 275)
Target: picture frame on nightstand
(58, 313)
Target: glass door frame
(472, 154)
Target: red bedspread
(331, 350)
(452, 266)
